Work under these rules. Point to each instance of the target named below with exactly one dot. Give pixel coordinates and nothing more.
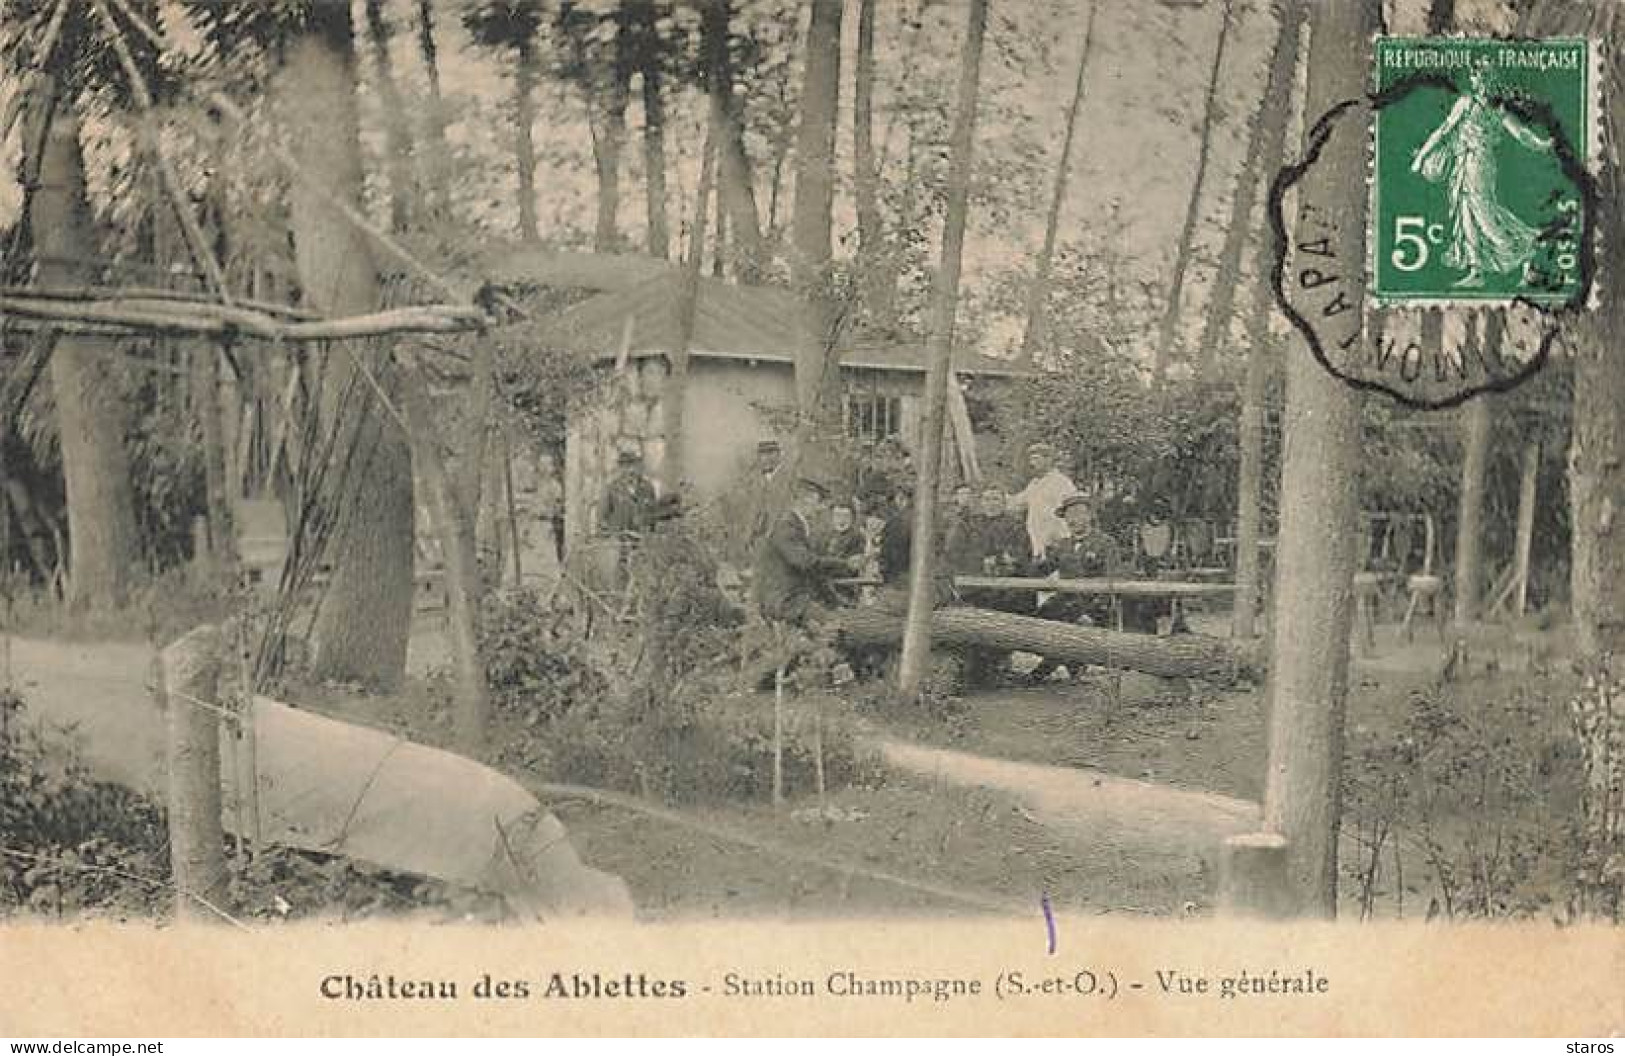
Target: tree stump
(1253, 877)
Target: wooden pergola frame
(149, 312)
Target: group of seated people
(835, 550)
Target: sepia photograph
(780, 504)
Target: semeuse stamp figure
(1485, 235)
(1482, 199)
(1471, 201)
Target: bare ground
(1100, 797)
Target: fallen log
(1176, 656)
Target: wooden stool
(1424, 585)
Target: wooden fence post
(188, 684)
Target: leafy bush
(1469, 802)
(720, 750)
(66, 837)
(663, 704)
(536, 664)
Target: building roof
(731, 321)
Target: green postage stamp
(1477, 182)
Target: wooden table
(1117, 588)
(1140, 588)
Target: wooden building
(741, 384)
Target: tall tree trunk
(1038, 297)
(366, 614)
(437, 152)
(674, 398)
(427, 48)
(454, 524)
(654, 135)
(872, 248)
(1167, 332)
(944, 298)
(817, 368)
(526, 74)
(1315, 553)
(208, 402)
(735, 180)
(1441, 16)
(719, 242)
(397, 133)
(1468, 573)
(206, 409)
(1268, 145)
(608, 98)
(1274, 108)
(1597, 494)
(883, 307)
(103, 546)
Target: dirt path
(1100, 810)
(1128, 829)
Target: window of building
(873, 417)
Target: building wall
(727, 409)
(725, 414)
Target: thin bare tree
(1168, 330)
(922, 583)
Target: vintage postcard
(811, 517)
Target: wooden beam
(1139, 588)
(157, 293)
(174, 317)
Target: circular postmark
(1481, 209)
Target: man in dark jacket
(791, 574)
(627, 507)
(991, 542)
(626, 511)
(1085, 553)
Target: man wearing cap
(629, 498)
(791, 574)
(626, 510)
(769, 456)
(764, 495)
(1085, 553)
(1040, 498)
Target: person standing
(1041, 498)
(628, 499)
(626, 510)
